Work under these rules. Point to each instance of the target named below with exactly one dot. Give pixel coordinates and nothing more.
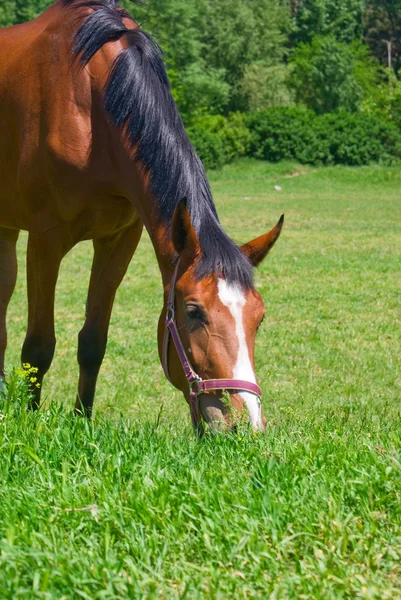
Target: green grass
(312, 509)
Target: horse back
(52, 165)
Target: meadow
(130, 505)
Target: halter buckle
(194, 385)
(170, 314)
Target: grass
(131, 506)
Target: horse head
(216, 322)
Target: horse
(92, 147)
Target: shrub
(219, 140)
(286, 132)
(358, 139)
(336, 138)
(208, 145)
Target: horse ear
(259, 247)
(183, 234)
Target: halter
(197, 385)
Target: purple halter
(197, 385)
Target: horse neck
(136, 186)
(133, 62)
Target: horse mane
(138, 98)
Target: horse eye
(195, 313)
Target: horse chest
(103, 218)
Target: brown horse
(92, 147)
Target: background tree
(7, 13)
(382, 25)
(197, 85)
(249, 33)
(18, 11)
(342, 19)
(329, 75)
(208, 47)
(264, 86)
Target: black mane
(138, 96)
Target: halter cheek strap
(197, 385)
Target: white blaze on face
(232, 296)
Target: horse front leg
(8, 278)
(110, 262)
(45, 252)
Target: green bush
(208, 145)
(337, 138)
(219, 140)
(286, 133)
(283, 133)
(358, 139)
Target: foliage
(360, 140)
(282, 133)
(329, 75)
(18, 11)
(265, 86)
(386, 100)
(204, 42)
(382, 25)
(338, 138)
(199, 90)
(208, 145)
(219, 140)
(368, 72)
(286, 133)
(197, 85)
(244, 34)
(342, 19)
(7, 14)
(208, 47)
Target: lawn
(312, 509)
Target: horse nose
(214, 412)
(222, 415)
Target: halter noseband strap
(197, 385)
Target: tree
(198, 86)
(264, 86)
(383, 31)
(342, 19)
(241, 34)
(386, 99)
(7, 13)
(18, 11)
(209, 45)
(329, 75)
